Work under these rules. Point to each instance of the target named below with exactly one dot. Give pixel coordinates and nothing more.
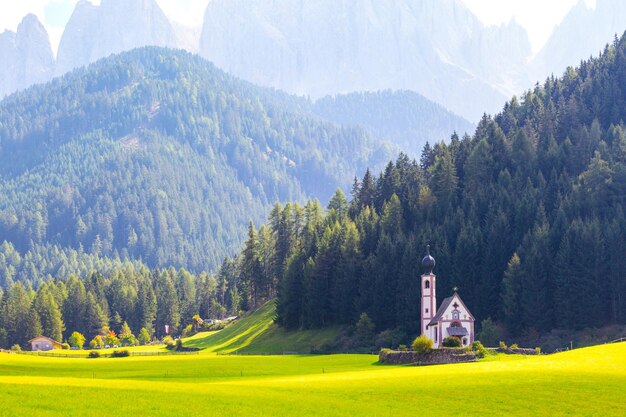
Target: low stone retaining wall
(518, 351)
(434, 357)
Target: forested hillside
(526, 217)
(126, 302)
(156, 155)
(404, 118)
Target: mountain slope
(157, 155)
(404, 118)
(436, 48)
(583, 32)
(113, 26)
(26, 56)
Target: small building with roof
(43, 343)
(451, 319)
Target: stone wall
(518, 351)
(434, 357)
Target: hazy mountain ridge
(328, 47)
(584, 32)
(26, 56)
(114, 26)
(404, 118)
(157, 155)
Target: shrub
(422, 344)
(97, 342)
(16, 348)
(188, 331)
(120, 353)
(179, 344)
(490, 332)
(76, 340)
(480, 350)
(65, 346)
(168, 341)
(514, 346)
(126, 336)
(403, 348)
(452, 342)
(538, 350)
(94, 354)
(390, 338)
(144, 336)
(503, 345)
(111, 339)
(365, 329)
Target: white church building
(452, 318)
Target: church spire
(428, 263)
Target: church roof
(457, 331)
(444, 305)
(441, 310)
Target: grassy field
(584, 382)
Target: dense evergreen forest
(526, 217)
(129, 301)
(404, 118)
(158, 156)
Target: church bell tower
(429, 296)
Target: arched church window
(427, 284)
(455, 315)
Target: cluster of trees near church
(526, 217)
(129, 301)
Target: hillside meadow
(584, 382)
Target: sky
(538, 16)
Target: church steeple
(428, 263)
(429, 294)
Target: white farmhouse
(452, 318)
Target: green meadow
(583, 382)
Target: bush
(514, 346)
(538, 350)
(144, 336)
(480, 350)
(452, 342)
(97, 342)
(490, 332)
(365, 330)
(168, 341)
(390, 338)
(126, 336)
(16, 348)
(179, 344)
(94, 354)
(65, 346)
(403, 348)
(502, 345)
(120, 353)
(188, 331)
(76, 340)
(422, 344)
(111, 339)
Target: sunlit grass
(585, 382)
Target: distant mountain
(437, 48)
(157, 155)
(114, 26)
(583, 32)
(404, 118)
(25, 55)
